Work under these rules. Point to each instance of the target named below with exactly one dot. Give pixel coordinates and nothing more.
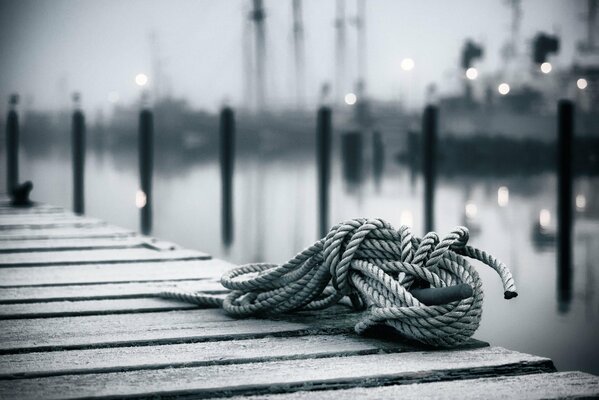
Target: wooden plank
(90, 307)
(32, 294)
(282, 376)
(61, 244)
(43, 223)
(20, 335)
(97, 256)
(191, 354)
(557, 385)
(112, 273)
(102, 231)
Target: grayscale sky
(49, 49)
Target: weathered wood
(89, 307)
(31, 294)
(275, 376)
(112, 273)
(558, 385)
(146, 328)
(30, 245)
(49, 223)
(191, 354)
(103, 231)
(96, 256)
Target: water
(275, 203)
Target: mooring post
(227, 164)
(78, 149)
(146, 155)
(324, 138)
(12, 145)
(429, 153)
(565, 115)
(352, 156)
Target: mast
(340, 52)
(258, 17)
(299, 53)
(361, 47)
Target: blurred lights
(503, 196)
(546, 67)
(503, 89)
(406, 218)
(472, 73)
(350, 99)
(407, 64)
(581, 202)
(544, 218)
(471, 210)
(140, 199)
(582, 83)
(141, 79)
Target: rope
(376, 267)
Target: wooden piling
(352, 155)
(324, 139)
(12, 145)
(565, 115)
(146, 156)
(227, 164)
(429, 152)
(78, 149)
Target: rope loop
(382, 271)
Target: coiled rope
(376, 267)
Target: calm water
(275, 217)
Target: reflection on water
(513, 215)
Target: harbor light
(546, 67)
(407, 64)
(471, 210)
(140, 199)
(503, 89)
(141, 79)
(113, 97)
(544, 218)
(503, 196)
(472, 73)
(406, 218)
(581, 202)
(582, 83)
(350, 99)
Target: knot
(423, 287)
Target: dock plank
(32, 294)
(112, 273)
(74, 221)
(191, 354)
(90, 307)
(43, 334)
(96, 256)
(274, 376)
(30, 233)
(557, 385)
(31, 245)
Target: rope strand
(376, 267)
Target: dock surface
(80, 318)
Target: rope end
(508, 294)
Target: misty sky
(49, 49)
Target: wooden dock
(80, 318)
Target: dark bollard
(378, 158)
(352, 149)
(12, 145)
(78, 148)
(324, 139)
(444, 295)
(227, 164)
(429, 154)
(146, 155)
(565, 115)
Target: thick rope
(375, 266)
